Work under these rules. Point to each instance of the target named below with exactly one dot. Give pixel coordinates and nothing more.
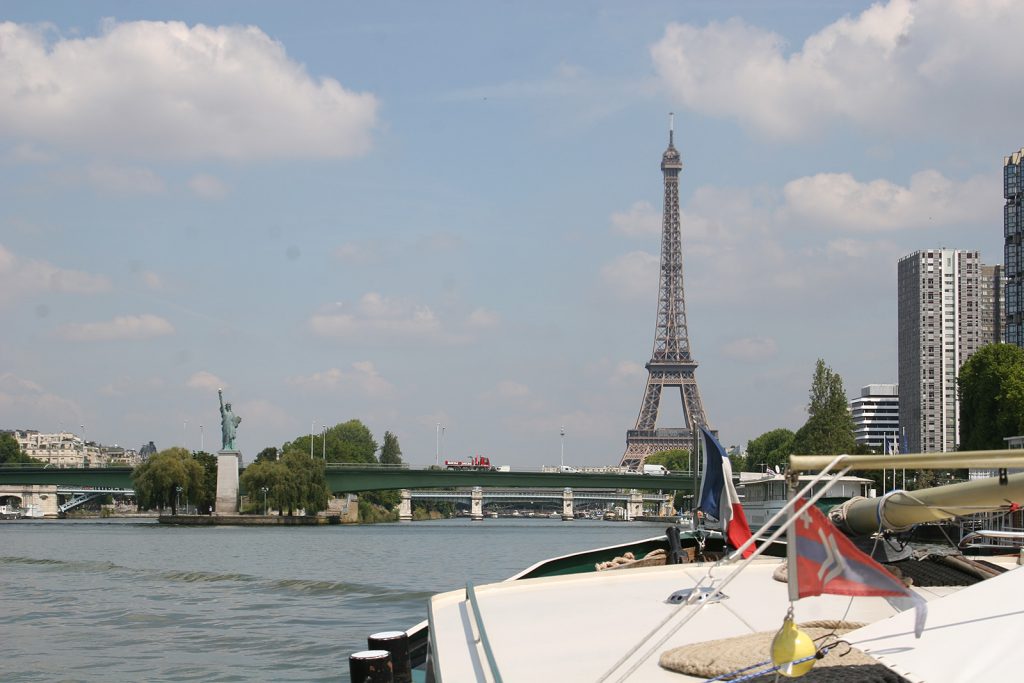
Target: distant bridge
(354, 478)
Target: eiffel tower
(671, 364)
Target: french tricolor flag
(718, 497)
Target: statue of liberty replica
(229, 460)
(228, 424)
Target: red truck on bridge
(477, 462)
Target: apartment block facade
(1013, 247)
(940, 327)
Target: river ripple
(124, 600)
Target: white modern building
(876, 416)
(939, 303)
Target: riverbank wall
(247, 520)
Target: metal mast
(671, 364)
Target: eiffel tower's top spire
(671, 159)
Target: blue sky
(448, 213)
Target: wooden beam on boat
(919, 461)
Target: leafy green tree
(309, 481)
(676, 460)
(11, 453)
(351, 441)
(991, 385)
(157, 480)
(295, 482)
(268, 453)
(772, 448)
(829, 426)
(390, 452)
(272, 475)
(208, 461)
(356, 442)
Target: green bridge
(353, 478)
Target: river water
(128, 600)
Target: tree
(771, 449)
(208, 461)
(991, 386)
(11, 453)
(390, 452)
(347, 442)
(829, 427)
(676, 460)
(295, 482)
(156, 481)
(271, 475)
(268, 453)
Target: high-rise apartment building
(876, 416)
(939, 303)
(1013, 247)
(993, 310)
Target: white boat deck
(579, 627)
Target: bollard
(397, 644)
(370, 666)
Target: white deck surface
(577, 627)
(971, 636)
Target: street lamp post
(264, 489)
(312, 426)
(437, 446)
(323, 442)
(177, 503)
(562, 458)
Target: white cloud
(135, 327)
(483, 318)
(628, 372)
(127, 386)
(750, 349)
(632, 276)
(166, 89)
(363, 376)
(205, 381)
(892, 67)
(380, 318)
(25, 403)
(641, 220)
(208, 186)
(124, 180)
(152, 280)
(838, 201)
(356, 253)
(507, 390)
(26, 153)
(20, 276)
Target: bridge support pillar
(567, 512)
(476, 504)
(405, 506)
(635, 506)
(228, 463)
(665, 508)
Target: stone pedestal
(476, 505)
(405, 506)
(228, 464)
(567, 511)
(635, 507)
